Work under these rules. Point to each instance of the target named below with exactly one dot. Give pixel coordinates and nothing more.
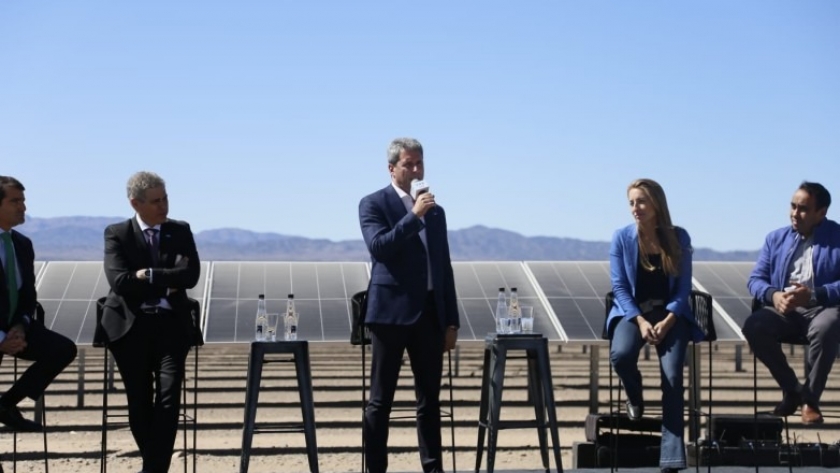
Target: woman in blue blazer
(650, 271)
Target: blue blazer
(624, 260)
(399, 274)
(771, 270)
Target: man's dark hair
(9, 181)
(818, 192)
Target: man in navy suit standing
(411, 303)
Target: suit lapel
(395, 206)
(164, 243)
(142, 244)
(632, 261)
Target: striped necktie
(11, 273)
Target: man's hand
(450, 338)
(661, 329)
(423, 204)
(15, 341)
(647, 331)
(800, 295)
(783, 302)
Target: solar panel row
(568, 296)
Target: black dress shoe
(635, 412)
(790, 403)
(669, 470)
(12, 418)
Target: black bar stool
(541, 389)
(300, 356)
(40, 408)
(188, 421)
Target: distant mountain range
(81, 239)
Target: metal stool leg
(252, 394)
(483, 421)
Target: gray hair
(398, 145)
(140, 182)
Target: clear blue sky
(275, 115)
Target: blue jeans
(626, 344)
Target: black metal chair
(360, 336)
(40, 408)
(799, 340)
(189, 421)
(702, 307)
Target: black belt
(156, 310)
(651, 304)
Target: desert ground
(74, 411)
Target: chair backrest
(359, 334)
(40, 316)
(196, 334)
(609, 300)
(701, 305)
(100, 337)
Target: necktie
(11, 273)
(151, 237)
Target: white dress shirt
(409, 204)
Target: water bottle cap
(501, 289)
(513, 289)
(291, 296)
(262, 296)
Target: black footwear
(670, 470)
(635, 412)
(12, 418)
(789, 405)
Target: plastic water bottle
(261, 322)
(291, 320)
(514, 312)
(501, 312)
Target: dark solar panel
(68, 292)
(477, 285)
(575, 291)
(322, 292)
(727, 283)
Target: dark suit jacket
(126, 252)
(399, 273)
(25, 255)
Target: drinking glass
(272, 326)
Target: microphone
(418, 187)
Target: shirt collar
(400, 193)
(143, 226)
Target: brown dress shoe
(811, 415)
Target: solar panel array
(321, 292)
(567, 296)
(68, 292)
(727, 283)
(478, 284)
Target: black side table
(540, 387)
(300, 352)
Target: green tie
(11, 273)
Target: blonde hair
(666, 233)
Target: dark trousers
(151, 359)
(50, 352)
(627, 342)
(424, 343)
(766, 328)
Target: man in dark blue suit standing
(411, 303)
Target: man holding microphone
(411, 303)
